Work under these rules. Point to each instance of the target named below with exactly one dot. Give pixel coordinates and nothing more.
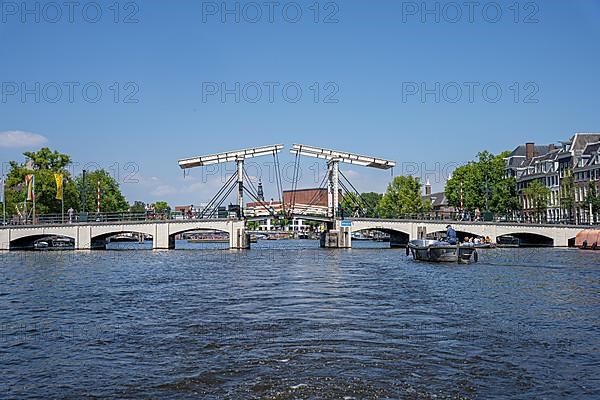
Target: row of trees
(43, 164)
(484, 186)
(402, 197)
(480, 184)
(539, 196)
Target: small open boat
(508, 241)
(484, 245)
(588, 239)
(435, 251)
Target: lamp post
(83, 191)
(487, 193)
(3, 200)
(62, 200)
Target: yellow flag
(29, 187)
(59, 186)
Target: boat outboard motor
(475, 256)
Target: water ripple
(291, 321)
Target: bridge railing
(85, 218)
(457, 217)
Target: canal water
(288, 320)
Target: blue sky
(160, 64)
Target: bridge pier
(4, 240)
(238, 238)
(337, 238)
(162, 239)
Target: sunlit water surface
(288, 320)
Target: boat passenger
(451, 235)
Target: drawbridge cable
(262, 203)
(222, 200)
(211, 203)
(317, 195)
(360, 197)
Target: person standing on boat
(451, 235)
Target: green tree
(111, 198)
(567, 196)
(252, 225)
(43, 164)
(539, 196)
(162, 207)
(505, 199)
(46, 159)
(138, 207)
(593, 199)
(403, 197)
(367, 204)
(483, 183)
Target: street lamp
(3, 200)
(487, 191)
(83, 191)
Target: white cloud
(164, 190)
(18, 139)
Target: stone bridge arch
(400, 233)
(24, 238)
(235, 229)
(27, 242)
(99, 233)
(178, 230)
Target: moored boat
(484, 245)
(54, 243)
(508, 241)
(208, 238)
(588, 239)
(443, 252)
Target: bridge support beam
(238, 238)
(337, 239)
(162, 240)
(83, 239)
(5, 240)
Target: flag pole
(3, 200)
(33, 192)
(98, 208)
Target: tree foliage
(539, 195)
(484, 179)
(162, 207)
(111, 198)
(403, 197)
(138, 207)
(366, 204)
(43, 164)
(592, 197)
(567, 195)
